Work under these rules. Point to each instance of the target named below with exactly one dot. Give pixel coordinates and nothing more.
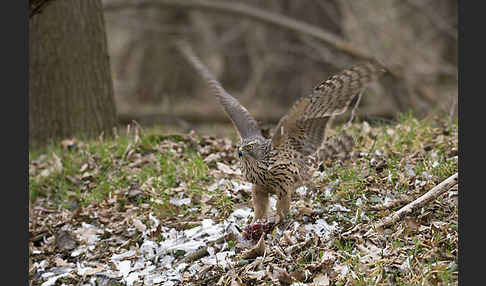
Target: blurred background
(94, 64)
(265, 64)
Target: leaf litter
(170, 225)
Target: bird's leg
(260, 202)
(283, 205)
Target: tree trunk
(70, 83)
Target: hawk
(280, 164)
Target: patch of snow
(81, 270)
(239, 214)
(153, 262)
(40, 265)
(166, 261)
(123, 267)
(338, 208)
(272, 203)
(388, 199)
(148, 249)
(78, 251)
(157, 279)
(330, 187)
(181, 267)
(221, 258)
(320, 174)
(342, 270)
(301, 190)
(410, 171)
(180, 202)
(88, 233)
(321, 227)
(426, 175)
(155, 220)
(131, 278)
(122, 255)
(52, 280)
(191, 239)
(241, 185)
(419, 183)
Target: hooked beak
(240, 153)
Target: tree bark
(70, 83)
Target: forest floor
(146, 208)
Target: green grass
(95, 168)
(408, 158)
(108, 163)
(396, 144)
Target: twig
(44, 232)
(184, 224)
(203, 251)
(291, 249)
(352, 230)
(39, 236)
(353, 111)
(420, 202)
(390, 204)
(196, 255)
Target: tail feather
(338, 144)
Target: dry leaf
(321, 280)
(281, 275)
(224, 168)
(65, 241)
(212, 157)
(257, 250)
(411, 224)
(139, 225)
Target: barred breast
(277, 173)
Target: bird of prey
(285, 161)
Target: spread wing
(303, 127)
(241, 118)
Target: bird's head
(253, 147)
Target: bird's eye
(249, 147)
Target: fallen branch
(196, 255)
(184, 224)
(390, 204)
(39, 235)
(203, 251)
(258, 14)
(291, 249)
(420, 202)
